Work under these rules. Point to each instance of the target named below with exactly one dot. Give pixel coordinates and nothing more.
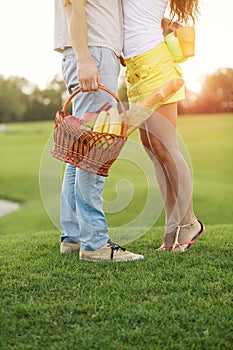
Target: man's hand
(88, 77)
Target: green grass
(207, 138)
(210, 144)
(167, 301)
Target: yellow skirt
(148, 71)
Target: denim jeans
(82, 217)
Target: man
(89, 33)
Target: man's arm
(88, 75)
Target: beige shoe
(110, 252)
(66, 247)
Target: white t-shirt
(105, 25)
(142, 25)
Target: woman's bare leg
(160, 138)
(166, 189)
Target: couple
(91, 35)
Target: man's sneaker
(66, 247)
(110, 252)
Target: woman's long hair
(184, 10)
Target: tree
(22, 101)
(43, 104)
(12, 106)
(189, 104)
(216, 95)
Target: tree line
(22, 101)
(215, 96)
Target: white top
(104, 20)
(142, 25)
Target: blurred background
(30, 71)
(32, 90)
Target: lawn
(25, 158)
(167, 301)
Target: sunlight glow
(28, 47)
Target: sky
(26, 29)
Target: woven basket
(91, 151)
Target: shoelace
(114, 247)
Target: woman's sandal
(180, 245)
(164, 247)
(190, 243)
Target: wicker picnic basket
(91, 151)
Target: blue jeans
(82, 217)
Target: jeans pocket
(97, 55)
(69, 72)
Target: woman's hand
(169, 26)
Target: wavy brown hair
(184, 10)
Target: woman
(149, 65)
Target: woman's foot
(168, 241)
(187, 235)
(183, 237)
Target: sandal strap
(176, 241)
(188, 242)
(164, 247)
(171, 227)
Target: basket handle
(102, 87)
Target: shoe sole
(67, 249)
(102, 260)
